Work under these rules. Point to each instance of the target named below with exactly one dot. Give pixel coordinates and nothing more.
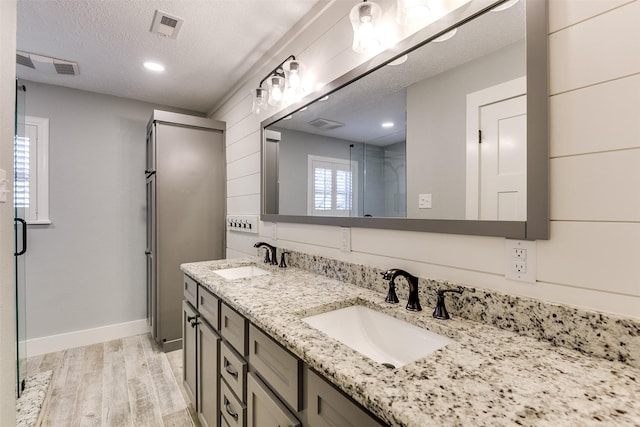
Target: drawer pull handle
(229, 368)
(227, 407)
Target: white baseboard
(37, 346)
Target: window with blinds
(22, 173)
(331, 189)
(31, 171)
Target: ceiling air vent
(166, 25)
(47, 64)
(24, 59)
(325, 124)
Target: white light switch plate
(424, 201)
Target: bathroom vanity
(268, 361)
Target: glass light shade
(365, 18)
(294, 71)
(412, 12)
(259, 100)
(276, 89)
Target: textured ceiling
(110, 39)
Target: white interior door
(503, 160)
(497, 152)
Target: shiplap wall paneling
(596, 187)
(599, 49)
(596, 118)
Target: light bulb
(365, 18)
(276, 93)
(294, 70)
(276, 85)
(294, 79)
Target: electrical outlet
(345, 239)
(519, 253)
(520, 260)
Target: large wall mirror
(446, 132)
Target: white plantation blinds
(332, 187)
(31, 164)
(22, 172)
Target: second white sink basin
(380, 337)
(241, 272)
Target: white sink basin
(378, 336)
(241, 272)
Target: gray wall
(87, 269)
(436, 130)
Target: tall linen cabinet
(185, 171)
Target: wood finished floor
(125, 382)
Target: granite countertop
(489, 376)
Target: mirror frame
(536, 227)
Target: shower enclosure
(20, 192)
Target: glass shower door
(20, 194)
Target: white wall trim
(52, 343)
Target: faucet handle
(440, 312)
(283, 264)
(267, 258)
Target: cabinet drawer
(233, 411)
(191, 290)
(233, 328)
(328, 407)
(233, 368)
(209, 307)
(276, 366)
(264, 409)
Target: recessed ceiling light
(446, 36)
(400, 60)
(387, 125)
(153, 66)
(504, 6)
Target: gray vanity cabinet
(233, 367)
(264, 408)
(207, 396)
(328, 407)
(201, 350)
(237, 375)
(189, 339)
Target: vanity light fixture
(365, 18)
(284, 85)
